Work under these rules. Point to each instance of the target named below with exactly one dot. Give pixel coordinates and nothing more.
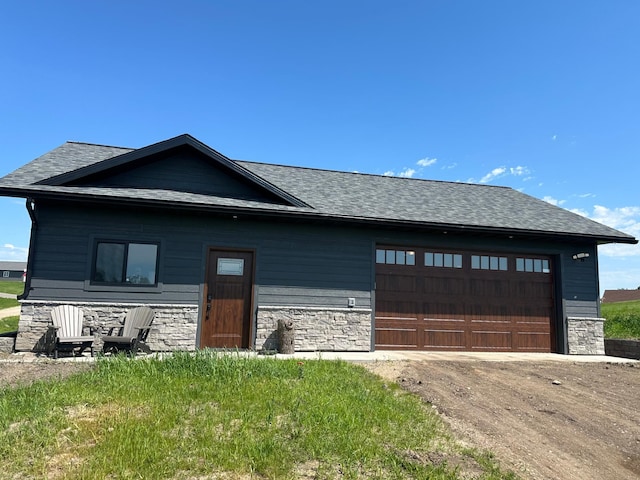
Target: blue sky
(542, 96)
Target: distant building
(613, 296)
(12, 271)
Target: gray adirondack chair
(67, 329)
(132, 335)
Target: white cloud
(11, 253)
(553, 201)
(519, 171)
(579, 211)
(493, 174)
(388, 173)
(449, 167)
(554, 137)
(426, 162)
(407, 173)
(498, 172)
(625, 219)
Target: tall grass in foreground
(202, 415)
(622, 319)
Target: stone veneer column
(174, 326)
(316, 328)
(585, 336)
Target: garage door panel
(533, 341)
(396, 283)
(443, 286)
(442, 310)
(439, 308)
(491, 340)
(395, 308)
(397, 333)
(445, 339)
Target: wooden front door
(226, 309)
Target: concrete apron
(378, 356)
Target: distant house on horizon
(613, 296)
(12, 271)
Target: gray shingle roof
(14, 266)
(332, 194)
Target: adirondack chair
(67, 329)
(132, 335)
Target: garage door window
(445, 260)
(488, 262)
(533, 265)
(396, 257)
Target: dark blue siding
(184, 171)
(296, 265)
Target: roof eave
(312, 215)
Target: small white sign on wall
(230, 266)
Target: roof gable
(181, 164)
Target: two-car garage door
(434, 299)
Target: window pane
(109, 262)
(448, 260)
(475, 262)
(379, 256)
(391, 257)
(411, 258)
(457, 261)
(545, 266)
(503, 264)
(484, 262)
(493, 263)
(230, 266)
(537, 265)
(528, 265)
(400, 257)
(428, 259)
(437, 259)
(141, 263)
(520, 264)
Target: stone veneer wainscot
(316, 328)
(174, 326)
(585, 335)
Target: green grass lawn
(9, 324)
(622, 319)
(207, 415)
(14, 288)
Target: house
(12, 271)
(613, 296)
(223, 250)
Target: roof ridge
(298, 167)
(99, 145)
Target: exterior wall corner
(585, 336)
